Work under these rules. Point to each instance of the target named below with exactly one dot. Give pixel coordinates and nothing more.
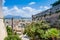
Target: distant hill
(16, 17)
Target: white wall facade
(3, 32)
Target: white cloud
(25, 11)
(31, 3)
(31, 10)
(41, 6)
(3, 1)
(44, 7)
(5, 8)
(13, 11)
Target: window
(6, 22)
(19, 26)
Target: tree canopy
(41, 30)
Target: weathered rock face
(3, 33)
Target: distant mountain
(8, 16)
(16, 17)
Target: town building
(18, 24)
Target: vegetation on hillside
(56, 3)
(41, 31)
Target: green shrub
(12, 37)
(52, 33)
(37, 29)
(42, 30)
(58, 11)
(11, 34)
(9, 30)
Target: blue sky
(25, 8)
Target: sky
(25, 8)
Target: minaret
(3, 32)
